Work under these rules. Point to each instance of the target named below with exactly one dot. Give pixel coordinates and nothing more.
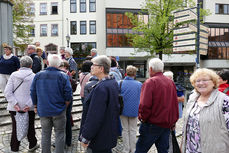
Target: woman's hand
(26, 108)
(16, 107)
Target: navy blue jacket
(8, 66)
(100, 116)
(36, 63)
(50, 90)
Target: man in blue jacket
(99, 126)
(51, 93)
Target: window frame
(83, 3)
(43, 35)
(71, 4)
(52, 8)
(34, 33)
(32, 13)
(90, 26)
(71, 25)
(92, 3)
(43, 13)
(53, 34)
(81, 24)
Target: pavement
(75, 148)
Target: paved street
(5, 135)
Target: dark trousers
(14, 143)
(150, 134)
(68, 140)
(89, 150)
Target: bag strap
(21, 82)
(226, 90)
(83, 79)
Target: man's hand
(35, 109)
(84, 145)
(16, 107)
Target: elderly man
(31, 51)
(158, 110)
(51, 93)
(93, 52)
(99, 126)
(72, 63)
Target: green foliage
(156, 36)
(21, 15)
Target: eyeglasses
(97, 65)
(204, 80)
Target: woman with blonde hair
(206, 122)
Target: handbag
(22, 124)
(173, 144)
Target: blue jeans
(150, 134)
(68, 131)
(58, 122)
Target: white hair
(32, 46)
(169, 74)
(54, 60)
(69, 50)
(94, 50)
(156, 64)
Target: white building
(102, 24)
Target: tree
(156, 36)
(21, 31)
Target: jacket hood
(23, 73)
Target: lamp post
(68, 39)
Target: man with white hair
(51, 93)
(158, 110)
(93, 52)
(31, 51)
(72, 63)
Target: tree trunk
(160, 55)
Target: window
(32, 31)
(43, 9)
(73, 28)
(92, 6)
(83, 29)
(72, 6)
(92, 27)
(221, 8)
(32, 9)
(54, 30)
(51, 48)
(82, 5)
(54, 8)
(43, 29)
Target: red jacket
(158, 101)
(222, 87)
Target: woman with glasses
(206, 122)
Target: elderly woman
(130, 90)
(206, 123)
(17, 93)
(8, 64)
(99, 126)
(73, 65)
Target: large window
(221, 8)
(32, 9)
(92, 27)
(92, 5)
(54, 8)
(43, 8)
(73, 28)
(118, 26)
(54, 30)
(83, 27)
(43, 30)
(218, 43)
(73, 6)
(82, 5)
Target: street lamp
(68, 39)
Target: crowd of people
(42, 84)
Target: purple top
(193, 126)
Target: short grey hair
(94, 50)
(104, 61)
(32, 46)
(131, 70)
(54, 60)
(156, 64)
(169, 74)
(26, 61)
